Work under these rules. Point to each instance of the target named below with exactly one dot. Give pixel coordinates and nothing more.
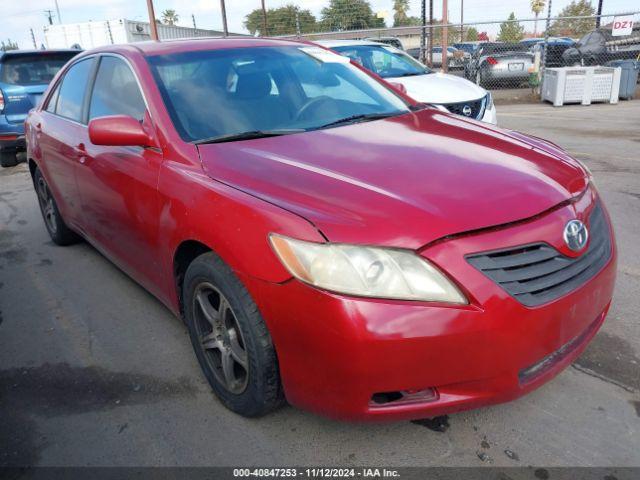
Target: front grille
(477, 108)
(538, 273)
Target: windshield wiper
(412, 74)
(362, 117)
(232, 137)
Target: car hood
(439, 88)
(404, 181)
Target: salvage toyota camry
(326, 239)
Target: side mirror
(119, 130)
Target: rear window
(35, 69)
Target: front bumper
(336, 352)
(490, 115)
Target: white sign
(622, 26)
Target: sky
(21, 15)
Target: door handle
(80, 152)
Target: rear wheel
(230, 339)
(8, 159)
(59, 232)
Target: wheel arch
(185, 253)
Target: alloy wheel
(47, 206)
(220, 338)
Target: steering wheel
(310, 104)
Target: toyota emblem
(466, 110)
(575, 235)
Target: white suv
(456, 94)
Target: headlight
(365, 271)
(489, 101)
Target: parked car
(455, 57)
(421, 83)
(468, 47)
(500, 63)
(393, 41)
(599, 47)
(24, 75)
(326, 239)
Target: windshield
(33, 69)
(384, 60)
(224, 93)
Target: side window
(72, 90)
(53, 100)
(116, 91)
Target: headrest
(253, 85)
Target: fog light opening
(403, 397)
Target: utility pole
(224, 18)
(264, 21)
(49, 15)
(58, 11)
(298, 32)
(33, 39)
(462, 20)
(599, 13)
(543, 61)
(193, 20)
(152, 21)
(445, 52)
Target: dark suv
(24, 76)
(599, 47)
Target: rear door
(62, 136)
(118, 185)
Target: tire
(226, 329)
(59, 232)
(8, 159)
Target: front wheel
(230, 339)
(59, 232)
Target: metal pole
(599, 13)
(423, 32)
(109, 31)
(543, 62)
(49, 15)
(264, 21)
(430, 47)
(445, 52)
(193, 20)
(298, 32)
(33, 39)
(224, 18)
(462, 20)
(152, 20)
(58, 11)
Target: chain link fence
(498, 54)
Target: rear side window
(32, 69)
(72, 91)
(116, 91)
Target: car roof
(346, 43)
(152, 48)
(16, 53)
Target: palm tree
(400, 8)
(170, 17)
(537, 6)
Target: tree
(400, 8)
(282, 21)
(10, 45)
(511, 31)
(537, 6)
(170, 17)
(575, 27)
(472, 35)
(349, 15)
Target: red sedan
(326, 240)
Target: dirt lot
(95, 371)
